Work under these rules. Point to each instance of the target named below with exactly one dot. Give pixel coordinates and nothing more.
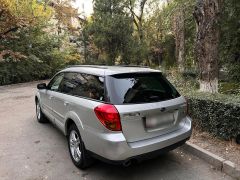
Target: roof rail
(93, 66)
(105, 67)
(123, 65)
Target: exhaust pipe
(127, 163)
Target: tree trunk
(206, 14)
(179, 34)
(138, 19)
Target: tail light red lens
(108, 116)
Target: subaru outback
(118, 114)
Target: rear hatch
(148, 104)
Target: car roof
(107, 70)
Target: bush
(219, 115)
(23, 71)
(190, 74)
(183, 81)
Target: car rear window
(135, 88)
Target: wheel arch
(37, 97)
(71, 118)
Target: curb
(219, 163)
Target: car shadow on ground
(142, 169)
(137, 169)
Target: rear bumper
(141, 157)
(114, 146)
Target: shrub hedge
(216, 114)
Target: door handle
(50, 97)
(66, 103)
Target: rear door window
(134, 88)
(84, 85)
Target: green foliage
(159, 37)
(216, 116)
(229, 88)
(221, 98)
(169, 51)
(22, 71)
(230, 39)
(185, 82)
(217, 113)
(42, 56)
(190, 33)
(110, 36)
(29, 50)
(162, 31)
(229, 45)
(111, 29)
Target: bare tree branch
(131, 10)
(13, 29)
(142, 4)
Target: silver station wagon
(119, 114)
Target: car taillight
(186, 107)
(108, 116)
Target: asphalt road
(29, 150)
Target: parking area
(29, 150)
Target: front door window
(54, 84)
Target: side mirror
(42, 86)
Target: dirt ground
(228, 150)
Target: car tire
(77, 151)
(40, 116)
